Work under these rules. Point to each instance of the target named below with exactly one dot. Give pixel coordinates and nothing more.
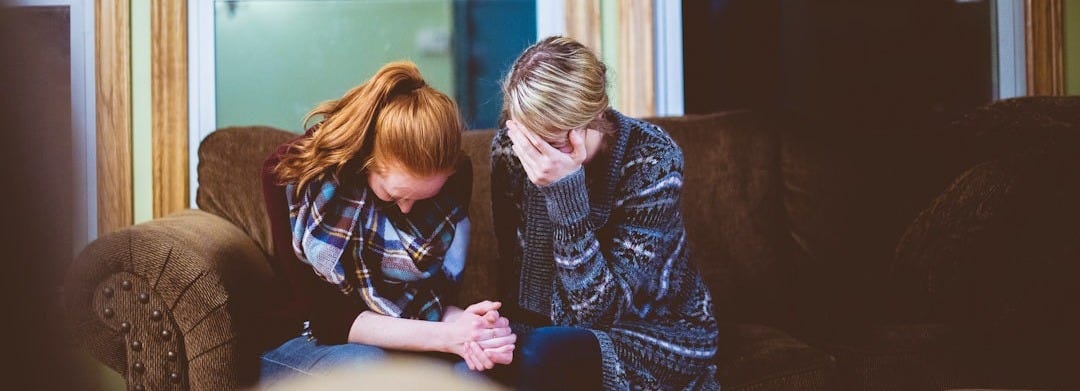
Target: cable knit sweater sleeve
(597, 280)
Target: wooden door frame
(169, 102)
(112, 34)
(169, 111)
(1045, 54)
(648, 74)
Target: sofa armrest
(164, 302)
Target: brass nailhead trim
(136, 346)
(139, 367)
(108, 292)
(155, 315)
(109, 313)
(125, 327)
(144, 298)
(126, 285)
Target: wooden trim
(1045, 47)
(636, 75)
(169, 102)
(583, 23)
(112, 50)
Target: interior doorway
(49, 58)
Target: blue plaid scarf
(391, 261)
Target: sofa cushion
(1000, 243)
(230, 164)
(1013, 125)
(757, 357)
(892, 356)
(480, 270)
(848, 194)
(732, 210)
(996, 254)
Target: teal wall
(276, 59)
(609, 52)
(1072, 47)
(141, 113)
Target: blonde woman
(598, 281)
(368, 210)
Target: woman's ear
(577, 140)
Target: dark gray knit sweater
(607, 251)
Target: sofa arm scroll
(163, 302)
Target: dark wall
(861, 91)
(879, 62)
(36, 166)
(731, 52)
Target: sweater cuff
(567, 199)
(331, 327)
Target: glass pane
(276, 59)
(488, 36)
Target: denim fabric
(547, 358)
(553, 358)
(304, 356)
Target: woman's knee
(566, 358)
(306, 357)
(349, 353)
(549, 346)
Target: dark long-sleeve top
(606, 250)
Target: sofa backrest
(849, 191)
(732, 209)
(780, 220)
(230, 177)
(480, 270)
(999, 245)
(731, 203)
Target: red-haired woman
(368, 211)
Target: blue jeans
(553, 358)
(302, 356)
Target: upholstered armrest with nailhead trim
(171, 303)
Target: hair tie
(407, 86)
(420, 83)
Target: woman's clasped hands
(481, 336)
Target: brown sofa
(837, 258)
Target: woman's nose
(405, 206)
